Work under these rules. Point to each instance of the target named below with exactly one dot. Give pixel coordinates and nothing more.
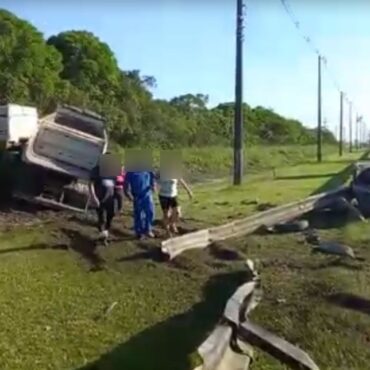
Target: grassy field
(319, 302)
(57, 285)
(216, 162)
(218, 201)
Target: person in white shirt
(168, 192)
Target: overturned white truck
(53, 166)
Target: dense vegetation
(75, 67)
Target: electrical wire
(313, 47)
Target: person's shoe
(168, 233)
(104, 235)
(175, 229)
(150, 234)
(140, 237)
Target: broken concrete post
(229, 347)
(218, 352)
(275, 346)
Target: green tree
(88, 63)
(76, 67)
(29, 69)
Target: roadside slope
(57, 284)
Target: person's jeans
(118, 196)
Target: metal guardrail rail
(230, 345)
(203, 238)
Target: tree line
(75, 67)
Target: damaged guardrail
(203, 238)
(230, 345)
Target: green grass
(56, 285)
(335, 337)
(217, 202)
(215, 162)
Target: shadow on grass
(338, 262)
(148, 252)
(223, 252)
(36, 247)
(144, 255)
(350, 301)
(91, 221)
(85, 247)
(340, 178)
(302, 177)
(341, 161)
(167, 345)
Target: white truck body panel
(69, 142)
(17, 123)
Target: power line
(309, 42)
(297, 25)
(315, 49)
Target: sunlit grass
(53, 297)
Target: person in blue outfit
(139, 187)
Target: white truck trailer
(17, 124)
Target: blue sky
(189, 47)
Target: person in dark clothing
(102, 192)
(118, 190)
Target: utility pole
(319, 151)
(364, 131)
(341, 125)
(238, 123)
(350, 127)
(357, 131)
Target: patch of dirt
(247, 202)
(265, 206)
(23, 214)
(78, 233)
(217, 265)
(225, 253)
(222, 203)
(282, 264)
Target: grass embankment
(216, 162)
(217, 202)
(56, 285)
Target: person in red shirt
(118, 190)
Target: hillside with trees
(75, 67)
